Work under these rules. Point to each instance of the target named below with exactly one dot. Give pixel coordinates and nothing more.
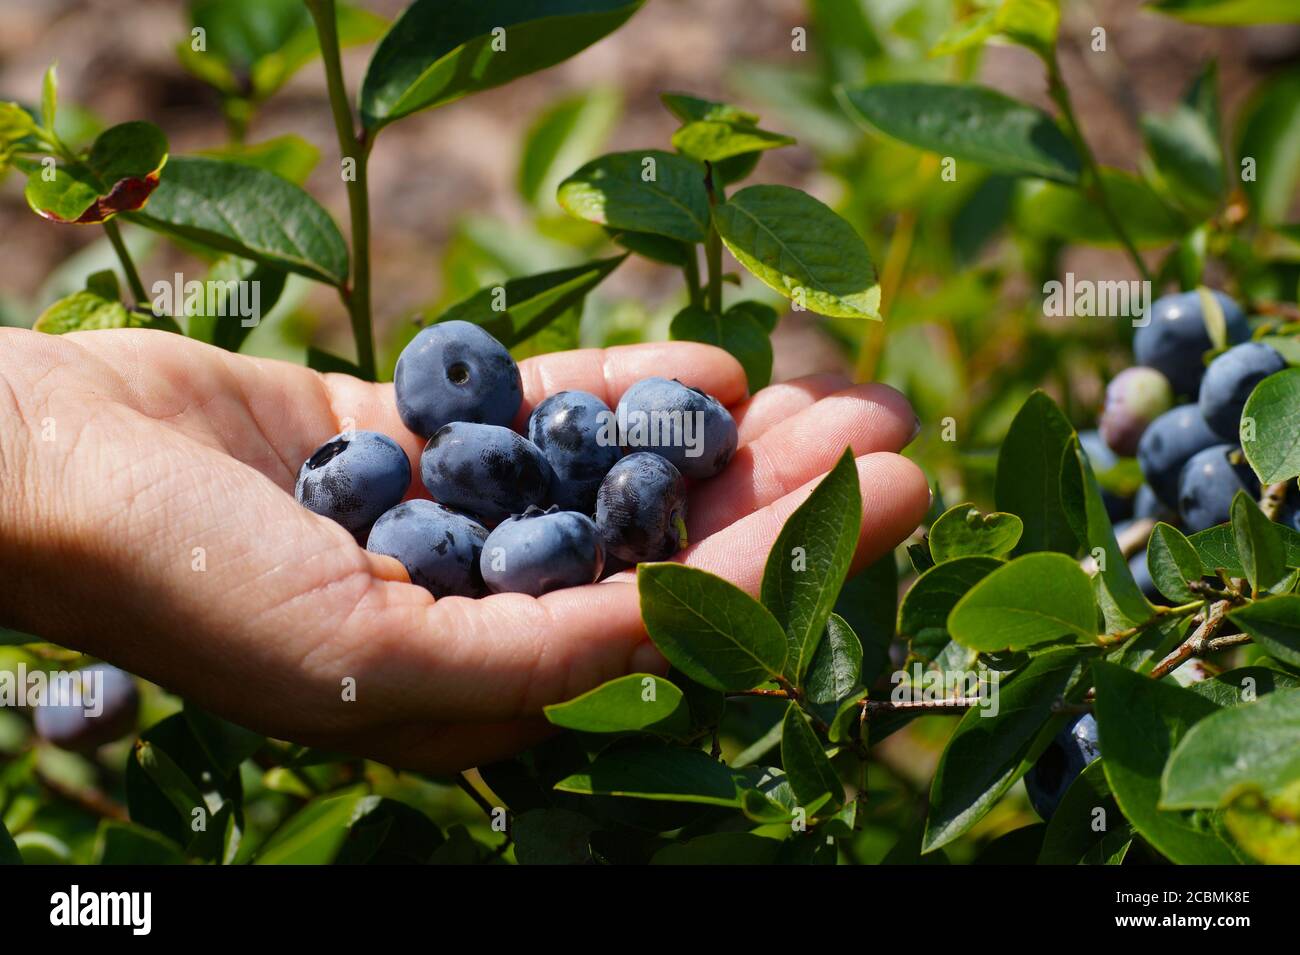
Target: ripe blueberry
(1208, 484)
(455, 371)
(1175, 338)
(1141, 570)
(101, 708)
(1134, 398)
(542, 550)
(1168, 444)
(1146, 504)
(1068, 755)
(485, 470)
(438, 547)
(689, 428)
(574, 430)
(353, 478)
(641, 508)
(1229, 381)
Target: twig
(1161, 614)
(90, 800)
(128, 266)
(1273, 499)
(871, 707)
(713, 244)
(1134, 537)
(1199, 642)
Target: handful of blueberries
(588, 487)
(1189, 453)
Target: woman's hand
(147, 517)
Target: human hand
(148, 518)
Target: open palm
(147, 517)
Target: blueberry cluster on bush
(589, 490)
(1189, 453)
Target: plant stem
(1093, 184)
(713, 245)
(1161, 613)
(128, 266)
(356, 147)
(1273, 499)
(692, 272)
(1201, 641)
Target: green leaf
(49, 97)
(1229, 12)
(1273, 448)
(868, 603)
(644, 769)
(1030, 23)
(1174, 563)
(657, 248)
(1244, 685)
(83, 311)
(437, 51)
(119, 175)
(837, 664)
(1087, 827)
(1260, 547)
(968, 122)
(1029, 476)
(121, 843)
(810, 559)
(715, 132)
(764, 314)
(289, 156)
(801, 248)
(644, 191)
(236, 294)
(387, 832)
(636, 702)
(1238, 748)
(568, 133)
(708, 628)
(1048, 210)
(1034, 599)
(737, 332)
(315, 834)
(1269, 138)
(992, 746)
(1217, 548)
(250, 213)
(552, 837)
(807, 767)
(720, 848)
(9, 854)
(326, 363)
(1185, 143)
(520, 308)
(224, 743)
(965, 531)
(1268, 829)
(929, 601)
(1274, 623)
(1141, 721)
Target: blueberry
(1168, 444)
(689, 428)
(1209, 482)
(455, 371)
(438, 547)
(1066, 756)
(540, 551)
(95, 705)
(1229, 381)
(1141, 571)
(1146, 504)
(641, 508)
(1175, 339)
(1134, 398)
(1102, 459)
(353, 478)
(575, 431)
(484, 470)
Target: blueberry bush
(1109, 612)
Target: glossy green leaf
(737, 332)
(643, 769)
(810, 559)
(440, 50)
(566, 135)
(969, 122)
(1141, 721)
(1272, 446)
(644, 191)
(1244, 685)
(993, 747)
(121, 843)
(1263, 555)
(868, 603)
(1034, 599)
(1241, 747)
(83, 311)
(250, 213)
(837, 664)
(710, 629)
(289, 156)
(965, 531)
(315, 834)
(224, 743)
(1218, 548)
(801, 248)
(236, 295)
(1173, 563)
(1087, 827)
(807, 767)
(119, 175)
(715, 132)
(636, 702)
(387, 832)
(1029, 476)
(929, 601)
(1274, 623)
(1269, 143)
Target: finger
(778, 402)
(866, 418)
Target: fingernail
(916, 430)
